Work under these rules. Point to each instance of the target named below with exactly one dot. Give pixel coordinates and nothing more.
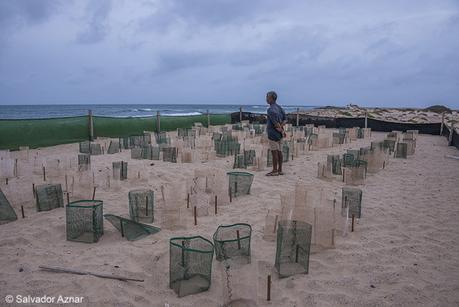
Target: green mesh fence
(390, 144)
(85, 147)
(95, 149)
(348, 159)
(351, 202)
(114, 147)
(84, 221)
(170, 154)
(48, 197)
(233, 241)
(42, 132)
(335, 162)
(120, 170)
(47, 132)
(401, 150)
(248, 158)
(7, 213)
(285, 155)
(293, 248)
(239, 183)
(239, 161)
(136, 153)
(184, 132)
(190, 265)
(84, 162)
(131, 230)
(141, 205)
(226, 147)
(151, 152)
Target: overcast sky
(372, 53)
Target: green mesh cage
(293, 247)
(239, 161)
(360, 133)
(259, 129)
(169, 154)
(161, 138)
(120, 170)
(352, 199)
(130, 229)
(190, 266)
(48, 197)
(401, 150)
(360, 163)
(390, 144)
(124, 142)
(233, 242)
(183, 132)
(85, 147)
(84, 162)
(239, 183)
(151, 152)
(95, 149)
(136, 153)
(335, 162)
(7, 213)
(84, 221)
(348, 159)
(137, 141)
(354, 152)
(141, 205)
(114, 147)
(224, 148)
(285, 152)
(250, 157)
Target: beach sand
(404, 250)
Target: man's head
(271, 97)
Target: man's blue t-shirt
(276, 115)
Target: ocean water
(127, 110)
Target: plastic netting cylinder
(84, 221)
(141, 205)
(233, 241)
(190, 266)
(48, 197)
(7, 213)
(352, 199)
(239, 183)
(401, 150)
(120, 170)
(293, 247)
(170, 154)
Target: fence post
(208, 119)
(240, 114)
(90, 126)
(158, 122)
(366, 119)
(442, 122)
(297, 117)
(451, 131)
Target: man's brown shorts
(273, 145)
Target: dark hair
(272, 94)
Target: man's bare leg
(280, 160)
(275, 160)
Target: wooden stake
(22, 211)
(6, 180)
(195, 217)
(44, 173)
(33, 190)
(275, 223)
(146, 205)
(333, 237)
(268, 290)
(183, 253)
(122, 228)
(296, 253)
(188, 200)
(238, 240)
(15, 167)
(230, 195)
(68, 198)
(94, 193)
(352, 225)
(215, 204)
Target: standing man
(275, 129)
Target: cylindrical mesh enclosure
(84, 162)
(49, 196)
(233, 241)
(120, 170)
(114, 147)
(84, 221)
(352, 198)
(401, 150)
(150, 152)
(85, 147)
(95, 149)
(190, 266)
(170, 154)
(239, 183)
(141, 205)
(7, 213)
(293, 248)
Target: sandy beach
(404, 250)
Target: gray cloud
(96, 26)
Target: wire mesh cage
(390, 144)
(293, 247)
(120, 170)
(84, 221)
(7, 213)
(351, 202)
(162, 138)
(141, 205)
(239, 183)
(410, 146)
(239, 161)
(224, 148)
(150, 152)
(114, 147)
(84, 162)
(95, 149)
(136, 153)
(233, 242)
(401, 150)
(285, 153)
(354, 174)
(170, 154)
(129, 229)
(85, 147)
(190, 266)
(48, 197)
(335, 163)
